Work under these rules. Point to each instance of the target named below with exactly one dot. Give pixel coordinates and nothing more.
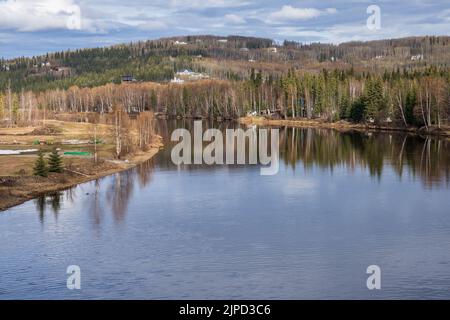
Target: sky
(34, 27)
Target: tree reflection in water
(425, 158)
(96, 207)
(121, 188)
(53, 201)
(116, 195)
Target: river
(340, 203)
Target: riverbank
(17, 183)
(341, 126)
(15, 190)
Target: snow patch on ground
(12, 152)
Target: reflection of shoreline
(32, 188)
(115, 197)
(53, 200)
(339, 126)
(424, 157)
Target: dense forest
(403, 81)
(228, 58)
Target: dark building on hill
(128, 78)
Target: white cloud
(290, 13)
(234, 19)
(359, 32)
(208, 3)
(29, 15)
(444, 15)
(153, 25)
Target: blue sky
(31, 27)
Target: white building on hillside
(417, 57)
(177, 80)
(190, 75)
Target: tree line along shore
(396, 99)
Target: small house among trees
(128, 78)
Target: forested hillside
(224, 58)
(404, 82)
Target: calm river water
(341, 202)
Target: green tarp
(77, 153)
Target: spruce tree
(40, 167)
(344, 107)
(55, 162)
(375, 102)
(411, 100)
(357, 109)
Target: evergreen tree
(358, 109)
(411, 99)
(55, 162)
(40, 167)
(319, 94)
(375, 102)
(344, 107)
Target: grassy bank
(17, 183)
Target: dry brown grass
(16, 165)
(16, 181)
(69, 130)
(16, 189)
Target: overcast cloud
(29, 27)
